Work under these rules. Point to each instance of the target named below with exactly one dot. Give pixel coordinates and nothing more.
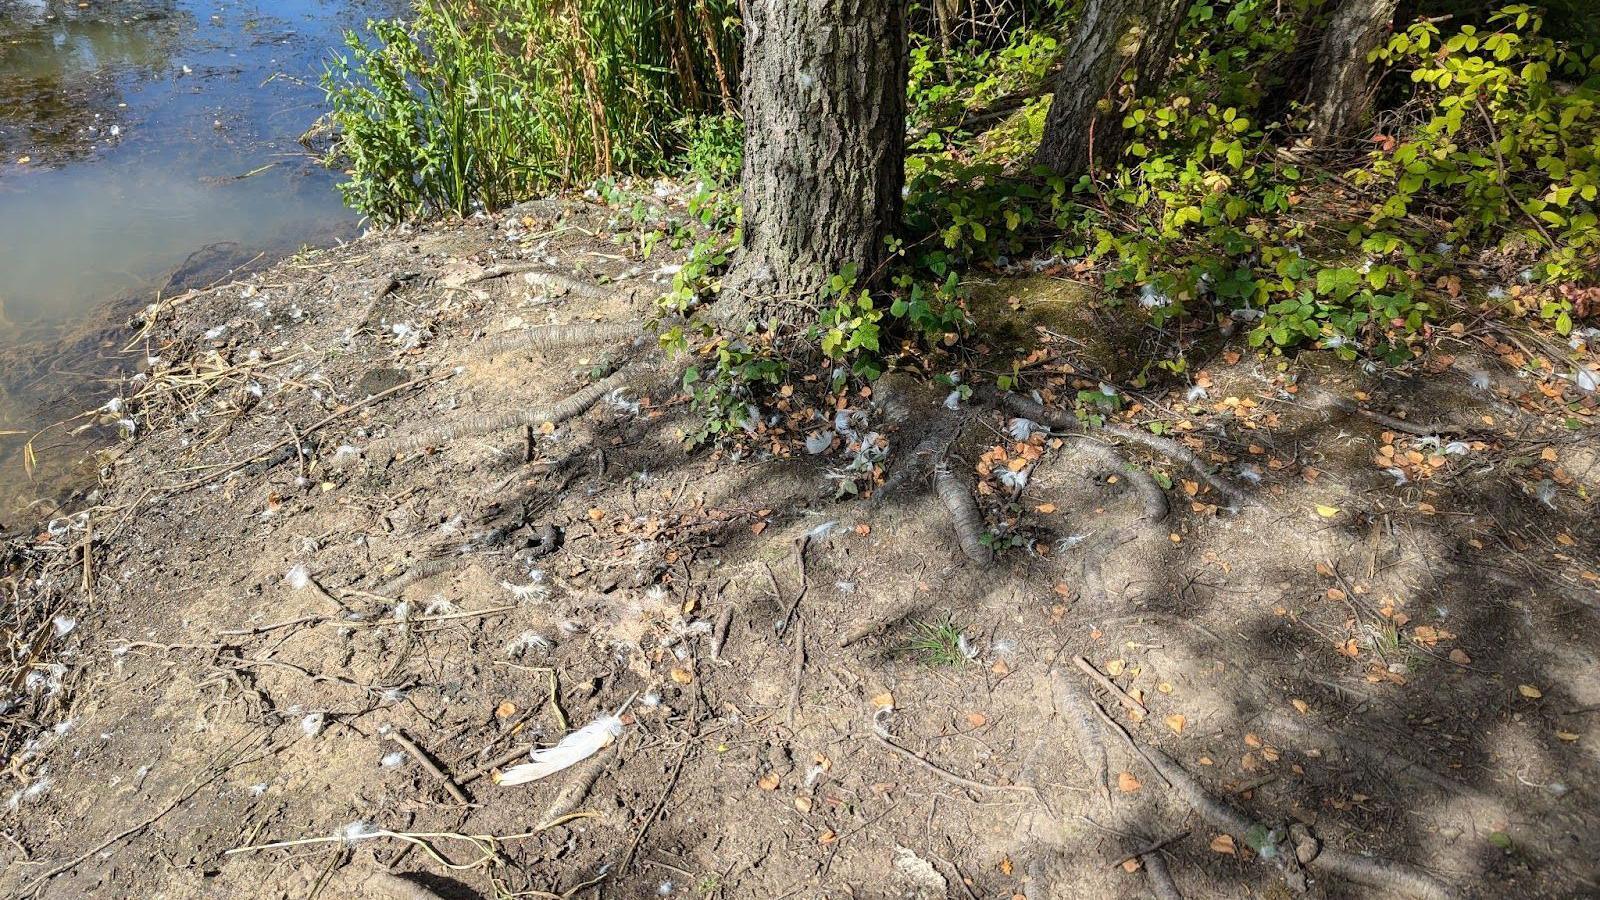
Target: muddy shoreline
(249, 671)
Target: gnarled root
(1151, 496)
(533, 274)
(964, 515)
(1306, 851)
(1038, 412)
(574, 405)
(895, 615)
(559, 337)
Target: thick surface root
(1326, 402)
(1161, 883)
(533, 274)
(1151, 496)
(574, 405)
(558, 337)
(1076, 708)
(964, 515)
(1380, 873)
(1371, 871)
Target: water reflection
(59, 68)
(132, 133)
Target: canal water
(138, 139)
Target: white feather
(573, 749)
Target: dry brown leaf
(1127, 783)
(1176, 722)
(768, 782)
(1223, 843)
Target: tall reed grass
(478, 103)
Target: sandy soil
(247, 672)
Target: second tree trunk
(1114, 42)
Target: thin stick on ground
(946, 774)
(443, 777)
(1111, 688)
(1127, 739)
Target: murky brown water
(134, 133)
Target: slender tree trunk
(824, 161)
(1339, 93)
(1115, 42)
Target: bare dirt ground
(245, 671)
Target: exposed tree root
(422, 568)
(582, 779)
(1038, 412)
(534, 275)
(1324, 402)
(574, 405)
(1151, 496)
(1161, 883)
(396, 888)
(964, 515)
(1379, 873)
(559, 337)
(872, 626)
(1387, 760)
(1274, 847)
(1076, 707)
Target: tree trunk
(824, 161)
(1115, 42)
(1340, 90)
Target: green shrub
(480, 104)
(714, 148)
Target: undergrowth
(477, 105)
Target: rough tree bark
(1339, 92)
(1114, 41)
(824, 109)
